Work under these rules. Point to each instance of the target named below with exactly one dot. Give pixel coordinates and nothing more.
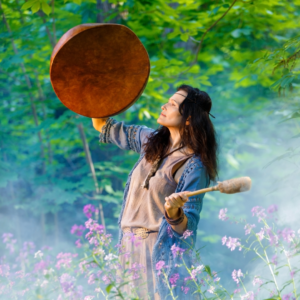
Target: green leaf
(184, 37)
(109, 189)
(36, 7)
(46, 8)
(28, 4)
(165, 86)
(77, 1)
(208, 270)
(215, 10)
(108, 288)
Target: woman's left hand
(175, 201)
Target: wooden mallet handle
(231, 186)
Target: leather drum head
(99, 70)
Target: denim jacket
(194, 177)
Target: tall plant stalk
(92, 168)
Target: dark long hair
(199, 135)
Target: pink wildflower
(88, 210)
(292, 274)
(89, 297)
(248, 228)
(78, 244)
(41, 266)
(211, 289)
(260, 235)
(236, 275)
(93, 226)
(287, 234)
(173, 279)
(222, 214)
(256, 281)
(106, 279)
(169, 231)
(274, 260)
(196, 271)
(185, 289)
(259, 212)
(177, 250)
(287, 296)
(91, 279)
(64, 260)
(187, 233)
(28, 247)
(232, 243)
(272, 208)
(10, 243)
(4, 270)
(67, 282)
(224, 239)
(159, 266)
(273, 237)
(237, 291)
(136, 269)
(77, 229)
(248, 296)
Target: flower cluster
(88, 210)
(177, 251)
(222, 214)
(102, 270)
(231, 243)
(236, 274)
(77, 230)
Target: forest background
(245, 54)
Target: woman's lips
(162, 114)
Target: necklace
(155, 166)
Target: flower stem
(289, 264)
(269, 265)
(166, 277)
(193, 278)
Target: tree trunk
(92, 169)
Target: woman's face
(170, 116)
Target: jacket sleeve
(196, 178)
(127, 137)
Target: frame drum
(99, 70)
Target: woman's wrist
(175, 220)
(173, 213)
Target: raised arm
(127, 137)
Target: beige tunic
(145, 208)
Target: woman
(178, 157)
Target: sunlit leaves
(36, 5)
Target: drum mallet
(231, 186)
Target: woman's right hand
(98, 123)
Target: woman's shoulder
(194, 162)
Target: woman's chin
(159, 121)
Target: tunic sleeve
(127, 137)
(196, 178)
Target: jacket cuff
(191, 226)
(105, 131)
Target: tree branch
(203, 36)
